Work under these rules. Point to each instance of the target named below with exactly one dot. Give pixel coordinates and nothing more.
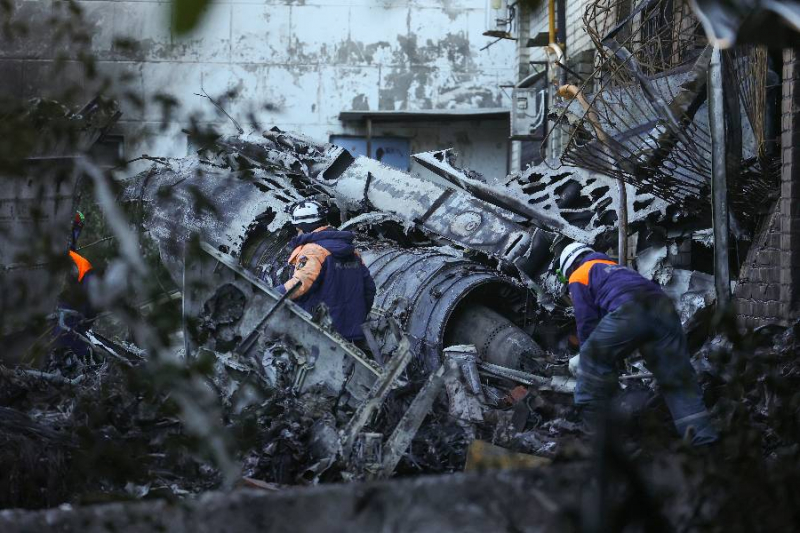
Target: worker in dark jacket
(617, 311)
(75, 312)
(329, 270)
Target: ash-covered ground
(108, 430)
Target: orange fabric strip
(307, 261)
(82, 263)
(581, 274)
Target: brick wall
(769, 285)
(757, 295)
(577, 38)
(790, 185)
(534, 21)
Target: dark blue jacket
(330, 271)
(599, 285)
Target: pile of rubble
(105, 434)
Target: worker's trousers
(652, 326)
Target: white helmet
(307, 212)
(570, 253)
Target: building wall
(481, 145)
(768, 288)
(534, 21)
(756, 299)
(790, 187)
(577, 38)
(294, 64)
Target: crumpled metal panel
(219, 206)
(228, 209)
(290, 166)
(572, 201)
(586, 201)
(449, 213)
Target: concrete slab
(375, 35)
(501, 55)
(438, 38)
(406, 88)
(100, 20)
(127, 81)
(523, 500)
(40, 80)
(180, 80)
(291, 94)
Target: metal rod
(95, 243)
(369, 137)
(551, 12)
(253, 336)
(380, 390)
(719, 189)
(622, 222)
(403, 434)
(561, 37)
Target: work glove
(573, 364)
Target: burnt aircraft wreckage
(456, 260)
(463, 268)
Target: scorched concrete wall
(296, 64)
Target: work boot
(697, 428)
(589, 418)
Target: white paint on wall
(295, 64)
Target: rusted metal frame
(663, 109)
(377, 395)
(666, 111)
(407, 428)
(690, 98)
(618, 28)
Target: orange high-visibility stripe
(581, 274)
(82, 263)
(307, 261)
